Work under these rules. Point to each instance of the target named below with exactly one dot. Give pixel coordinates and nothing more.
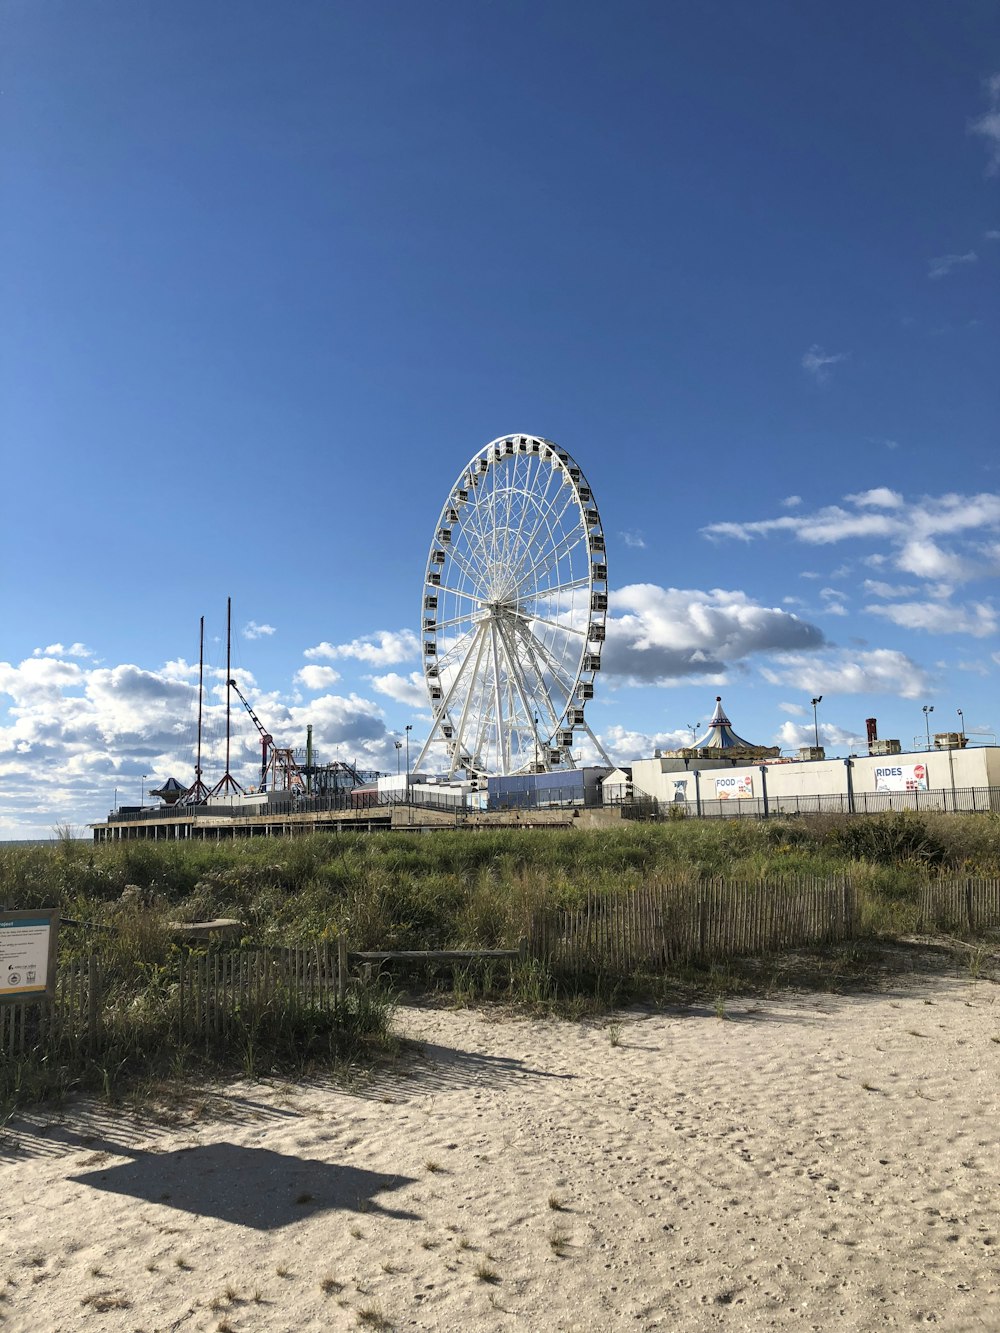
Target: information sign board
(738, 785)
(901, 777)
(28, 954)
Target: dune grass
(448, 889)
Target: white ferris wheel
(514, 612)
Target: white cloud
(792, 501)
(251, 630)
(834, 601)
(991, 235)
(383, 648)
(634, 539)
(660, 635)
(625, 745)
(410, 690)
(876, 671)
(988, 124)
(929, 561)
(816, 362)
(880, 497)
(876, 588)
(93, 729)
(943, 264)
(317, 677)
(978, 619)
(58, 650)
(792, 736)
(830, 524)
(901, 523)
(796, 710)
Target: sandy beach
(810, 1161)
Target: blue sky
(273, 274)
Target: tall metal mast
(227, 782)
(197, 792)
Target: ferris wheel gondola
(514, 612)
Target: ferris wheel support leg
(457, 749)
(442, 712)
(502, 740)
(517, 675)
(554, 715)
(600, 748)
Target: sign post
(28, 955)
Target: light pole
(816, 703)
(693, 728)
(961, 723)
(409, 807)
(399, 746)
(928, 709)
(142, 790)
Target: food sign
(901, 777)
(28, 954)
(733, 787)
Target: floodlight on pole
(961, 723)
(142, 790)
(928, 709)
(409, 807)
(399, 746)
(815, 705)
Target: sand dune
(807, 1162)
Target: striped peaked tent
(170, 793)
(721, 742)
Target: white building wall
(797, 781)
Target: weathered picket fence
(207, 996)
(967, 905)
(201, 996)
(662, 926)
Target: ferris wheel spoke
(456, 592)
(555, 549)
(459, 749)
(528, 618)
(555, 667)
(524, 494)
(453, 687)
(540, 505)
(497, 696)
(544, 515)
(555, 714)
(466, 568)
(517, 676)
(454, 620)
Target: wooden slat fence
(207, 996)
(968, 905)
(662, 926)
(204, 996)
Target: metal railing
(636, 805)
(341, 802)
(958, 800)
